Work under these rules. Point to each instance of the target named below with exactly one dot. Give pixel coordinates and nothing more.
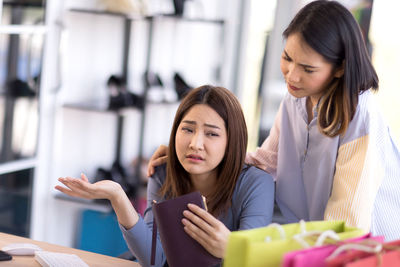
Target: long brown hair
(227, 106)
(331, 30)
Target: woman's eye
(188, 130)
(212, 134)
(308, 71)
(286, 58)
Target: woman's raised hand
(76, 187)
(159, 157)
(105, 189)
(206, 229)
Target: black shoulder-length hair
(227, 106)
(331, 30)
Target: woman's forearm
(126, 213)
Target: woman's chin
(295, 93)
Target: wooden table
(92, 259)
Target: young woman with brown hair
(206, 153)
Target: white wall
(274, 84)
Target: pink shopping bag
(316, 256)
(389, 256)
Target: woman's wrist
(116, 194)
(126, 213)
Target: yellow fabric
(355, 184)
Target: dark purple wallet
(179, 248)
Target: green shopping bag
(266, 246)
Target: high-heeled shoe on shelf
(155, 86)
(181, 87)
(179, 7)
(19, 88)
(152, 79)
(120, 97)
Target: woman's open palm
(105, 189)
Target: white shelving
(22, 29)
(17, 165)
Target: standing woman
(330, 150)
(206, 153)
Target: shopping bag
(315, 256)
(266, 246)
(383, 255)
(388, 259)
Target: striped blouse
(354, 177)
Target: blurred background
(92, 86)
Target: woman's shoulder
(367, 115)
(253, 185)
(252, 177)
(160, 173)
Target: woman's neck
(205, 183)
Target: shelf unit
(17, 168)
(151, 20)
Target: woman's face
(200, 141)
(306, 72)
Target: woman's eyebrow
(286, 54)
(211, 126)
(303, 65)
(189, 122)
(308, 66)
(205, 124)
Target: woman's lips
(195, 158)
(294, 88)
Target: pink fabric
(315, 257)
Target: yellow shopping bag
(266, 246)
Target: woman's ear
(339, 71)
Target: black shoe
(152, 79)
(179, 5)
(136, 100)
(19, 88)
(119, 95)
(154, 86)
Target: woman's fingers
(205, 215)
(207, 230)
(67, 190)
(154, 163)
(84, 177)
(75, 187)
(200, 223)
(64, 190)
(72, 183)
(159, 157)
(197, 234)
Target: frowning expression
(200, 141)
(306, 72)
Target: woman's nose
(197, 142)
(293, 75)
